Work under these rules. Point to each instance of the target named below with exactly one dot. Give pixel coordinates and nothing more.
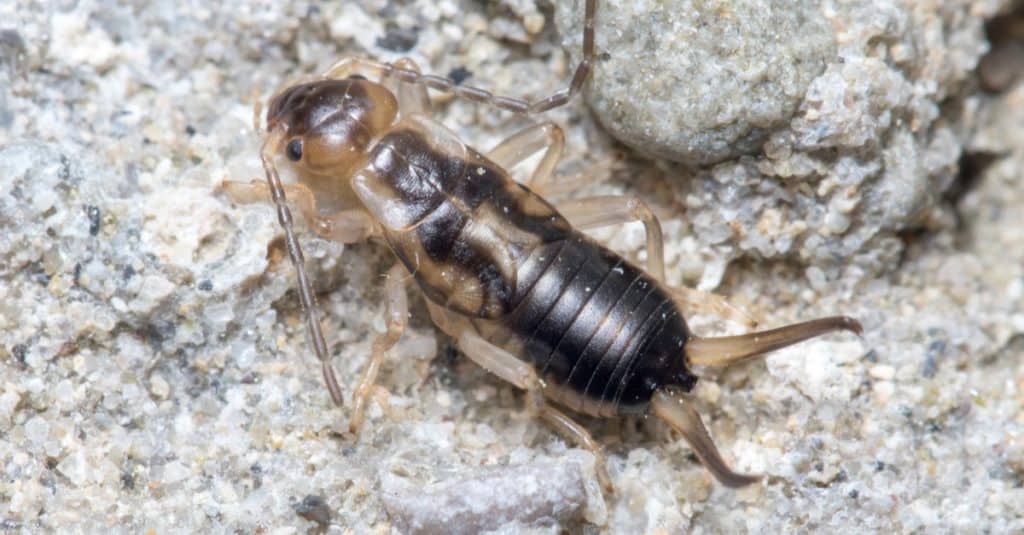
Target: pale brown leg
(696, 301)
(257, 191)
(376, 69)
(527, 142)
(673, 408)
(509, 368)
(347, 226)
(567, 184)
(727, 350)
(607, 210)
(397, 306)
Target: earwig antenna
(348, 66)
(306, 296)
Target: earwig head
(327, 126)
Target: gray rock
(539, 494)
(849, 134)
(701, 82)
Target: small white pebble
(533, 23)
(158, 386)
(884, 391)
(883, 372)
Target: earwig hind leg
(397, 305)
(412, 98)
(306, 296)
(607, 210)
(347, 226)
(696, 301)
(675, 410)
(518, 147)
(728, 350)
(509, 368)
(569, 428)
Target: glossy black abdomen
(601, 333)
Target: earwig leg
(348, 66)
(727, 350)
(397, 305)
(569, 428)
(678, 413)
(527, 142)
(509, 368)
(568, 184)
(306, 296)
(601, 211)
(347, 226)
(412, 98)
(712, 304)
(257, 191)
(497, 361)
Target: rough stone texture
(702, 82)
(154, 374)
(509, 498)
(848, 116)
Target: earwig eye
(294, 150)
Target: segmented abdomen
(601, 333)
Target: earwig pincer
(508, 275)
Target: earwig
(510, 277)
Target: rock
(701, 82)
(539, 494)
(834, 126)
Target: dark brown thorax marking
(460, 224)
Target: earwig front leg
(607, 210)
(257, 191)
(347, 226)
(675, 409)
(520, 146)
(397, 306)
(509, 368)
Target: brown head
(326, 126)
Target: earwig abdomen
(601, 333)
